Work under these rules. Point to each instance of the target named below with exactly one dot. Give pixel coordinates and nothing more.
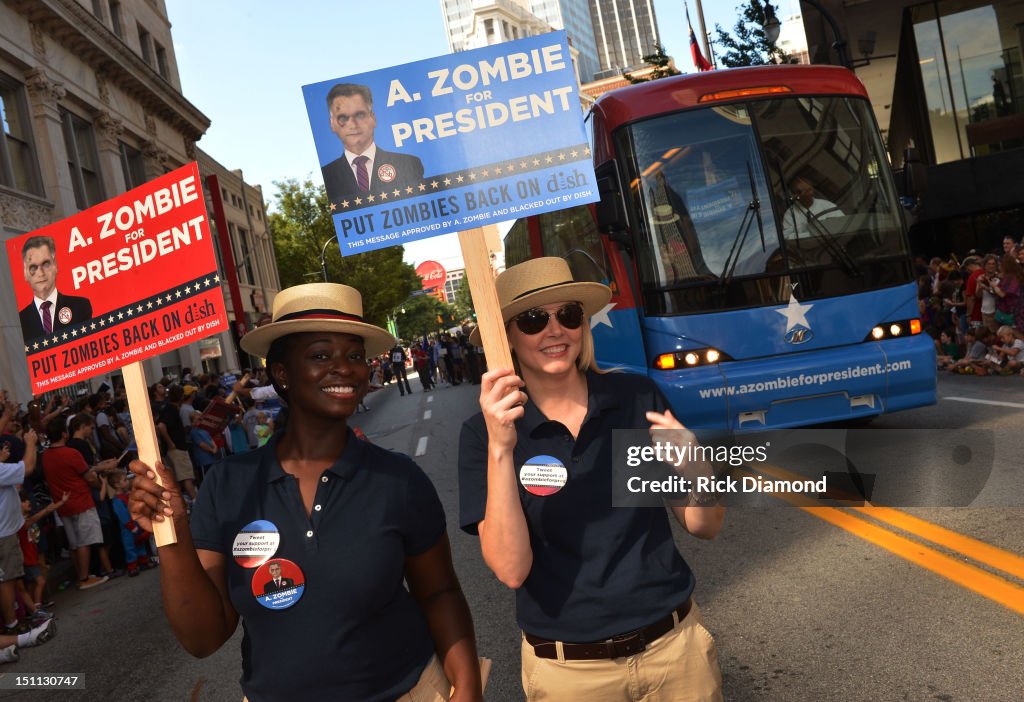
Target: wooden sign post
(145, 437)
(485, 298)
(134, 277)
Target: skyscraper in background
(626, 31)
(473, 23)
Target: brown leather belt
(621, 646)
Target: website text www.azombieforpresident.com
(806, 379)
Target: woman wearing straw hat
(602, 594)
(342, 520)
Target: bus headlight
(892, 330)
(690, 359)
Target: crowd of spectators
(974, 309)
(438, 360)
(64, 485)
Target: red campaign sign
(130, 278)
(433, 275)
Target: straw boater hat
(323, 307)
(664, 214)
(543, 281)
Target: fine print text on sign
(451, 143)
(130, 278)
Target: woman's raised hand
(502, 400)
(149, 501)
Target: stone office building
(91, 106)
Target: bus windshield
(737, 205)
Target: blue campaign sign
(451, 143)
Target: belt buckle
(625, 645)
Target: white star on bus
(795, 313)
(601, 317)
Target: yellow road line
(992, 556)
(979, 551)
(967, 576)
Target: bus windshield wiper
(820, 232)
(815, 228)
(752, 212)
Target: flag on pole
(701, 63)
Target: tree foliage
(301, 224)
(747, 45)
(660, 62)
(418, 316)
(464, 300)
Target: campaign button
(64, 315)
(543, 475)
(278, 584)
(386, 173)
(255, 543)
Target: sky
(243, 65)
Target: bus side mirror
(611, 211)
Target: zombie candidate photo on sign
(451, 143)
(49, 309)
(130, 278)
(364, 166)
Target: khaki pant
(681, 666)
(433, 685)
(181, 464)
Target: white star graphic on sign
(602, 317)
(795, 313)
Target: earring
(284, 386)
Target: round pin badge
(255, 543)
(543, 475)
(64, 315)
(386, 173)
(278, 584)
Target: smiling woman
(312, 538)
(602, 594)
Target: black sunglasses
(535, 320)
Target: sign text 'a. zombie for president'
(127, 279)
(451, 143)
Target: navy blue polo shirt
(598, 570)
(356, 633)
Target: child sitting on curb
(1011, 351)
(133, 538)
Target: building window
(146, 45)
(223, 195)
(97, 9)
(132, 166)
(161, 61)
(244, 265)
(973, 76)
(115, 19)
(18, 166)
(82, 160)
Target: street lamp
(323, 259)
(772, 26)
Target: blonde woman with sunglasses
(603, 596)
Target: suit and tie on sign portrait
(130, 278)
(451, 143)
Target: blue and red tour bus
(755, 245)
